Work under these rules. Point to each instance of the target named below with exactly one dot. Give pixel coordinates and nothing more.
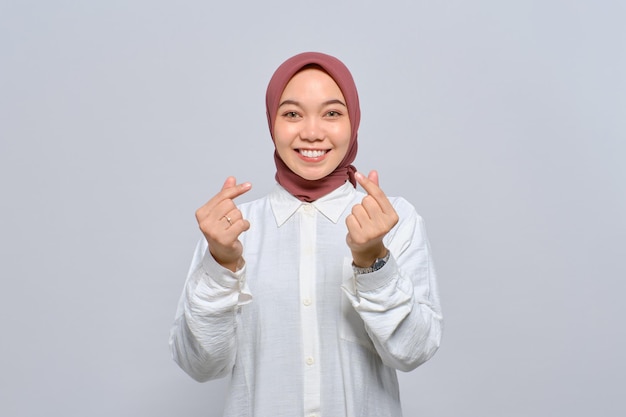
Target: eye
(333, 113)
(290, 115)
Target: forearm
(405, 330)
(399, 303)
(203, 337)
(203, 358)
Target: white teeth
(311, 153)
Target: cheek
(283, 146)
(279, 135)
(343, 137)
(284, 131)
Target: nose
(312, 130)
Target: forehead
(312, 79)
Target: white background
(503, 122)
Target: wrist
(367, 258)
(377, 264)
(231, 264)
(235, 265)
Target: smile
(312, 153)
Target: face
(312, 127)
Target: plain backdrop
(503, 122)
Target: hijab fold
(303, 189)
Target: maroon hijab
(311, 190)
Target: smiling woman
(313, 296)
(312, 127)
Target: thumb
(229, 183)
(373, 176)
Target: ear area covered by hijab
(307, 190)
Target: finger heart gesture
(221, 222)
(369, 222)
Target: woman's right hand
(221, 223)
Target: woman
(329, 290)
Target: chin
(309, 177)
(314, 177)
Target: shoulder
(410, 231)
(401, 204)
(408, 215)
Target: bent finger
(231, 233)
(371, 206)
(374, 190)
(232, 216)
(353, 224)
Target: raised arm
(399, 303)
(203, 337)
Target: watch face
(378, 264)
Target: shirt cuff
(354, 283)
(227, 279)
(377, 279)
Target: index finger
(232, 190)
(229, 191)
(371, 188)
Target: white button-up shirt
(298, 331)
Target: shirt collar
(332, 205)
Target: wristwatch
(378, 263)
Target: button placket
(308, 313)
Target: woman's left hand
(369, 222)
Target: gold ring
(228, 220)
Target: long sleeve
(305, 345)
(399, 303)
(203, 337)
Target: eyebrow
(326, 103)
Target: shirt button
(308, 207)
(310, 360)
(306, 302)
